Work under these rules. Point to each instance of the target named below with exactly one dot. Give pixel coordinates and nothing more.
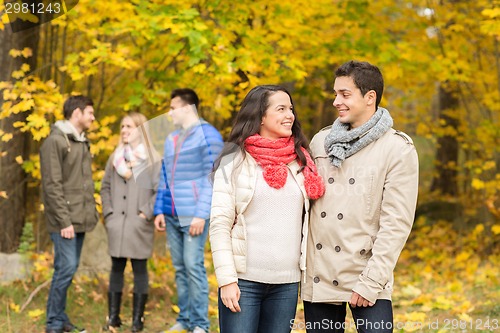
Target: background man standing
(183, 205)
(68, 197)
(359, 227)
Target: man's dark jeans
(66, 259)
(321, 317)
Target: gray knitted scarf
(343, 142)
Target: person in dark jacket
(127, 204)
(68, 197)
(183, 205)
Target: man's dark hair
(365, 76)
(187, 95)
(76, 102)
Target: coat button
(337, 248)
(323, 214)
(319, 246)
(340, 216)
(316, 279)
(335, 283)
(125, 181)
(124, 197)
(123, 213)
(352, 181)
(331, 180)
(362, 252)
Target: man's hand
(358, 300)
(160, 222)
(197, 226)
(230, 295)
(68, 232)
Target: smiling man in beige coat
(359, 227)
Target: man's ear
(76, 113)
(371, 97)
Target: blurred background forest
(440, 60)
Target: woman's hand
(230, 295)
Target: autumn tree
(18, 52)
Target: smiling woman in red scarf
(259, 216)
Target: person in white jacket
(263, 181)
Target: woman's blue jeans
(188, 258)
(264, 308)
(66, 259)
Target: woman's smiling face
(278, 119)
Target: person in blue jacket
(183, 204)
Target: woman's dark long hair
(249, 118)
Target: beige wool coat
(234, 186)
(359, 227)
(129, 235)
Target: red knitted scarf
(274, 155)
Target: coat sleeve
(396, 220)
(106, 188)
(211, 149)
(148, 207)
(51, 166)
(222, 217)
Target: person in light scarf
(128, 214)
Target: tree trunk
(12, 176)
(445, 181)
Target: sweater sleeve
(396, 220)
(222, 217)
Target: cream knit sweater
(274, 222)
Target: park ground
(445, 282)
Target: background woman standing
(259, 214)
(128, 215)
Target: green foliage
(27, 241)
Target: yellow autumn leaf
(465, 317)
(17, 74)
(27, 52)
(489, 165)
(4, 195)
(14, 307)
(477, 184)
(15, 53)
(175, 308)
(462, 256)
(6, 137)
(478, 229)
(19, 159)
(5, 18)
(35, 313)
(496, 229)
(25, 67)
